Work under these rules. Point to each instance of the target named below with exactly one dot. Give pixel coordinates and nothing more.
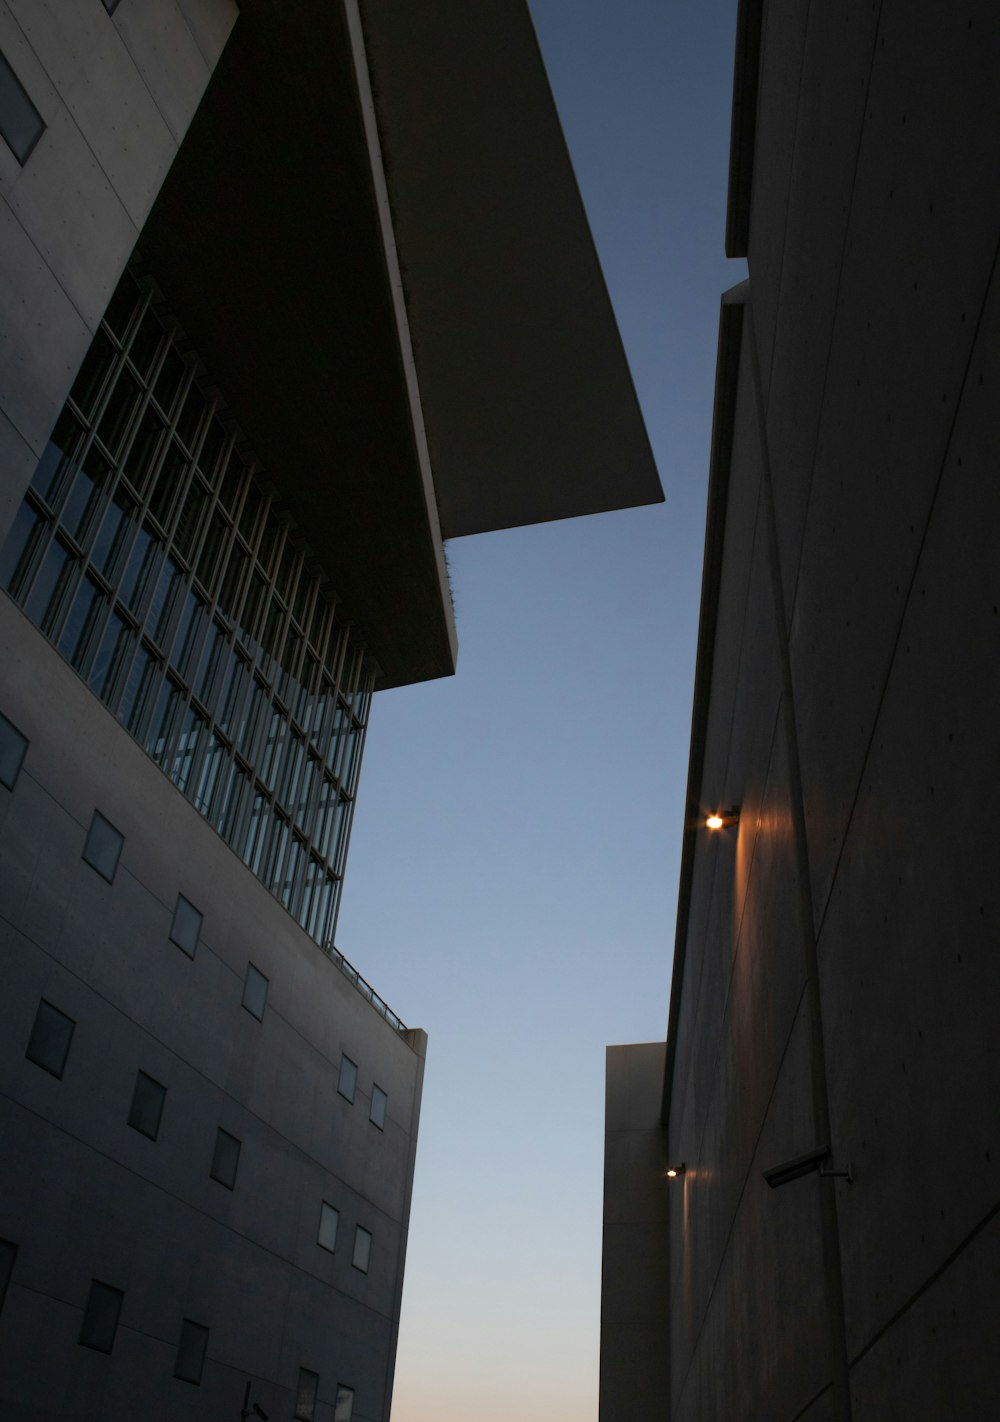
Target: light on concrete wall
(673, 1171)
(724, 819)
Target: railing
(365, 989)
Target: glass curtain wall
(149, 553)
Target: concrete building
(289, 294)
(836, 981)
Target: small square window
(21, 124)
(146, 1110)
(103, 847)
(191, 1352)
(255, 992)
(362, 1249)
(328, 1220)
(48, 1045)
(343, 1408)
(186, 927)
(348, 1083)
(379, 1102)
(225, 1159)
(8, 1253)
(12, 748)
(100, 1317)
(307, 1395)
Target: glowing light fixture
(672, 1171)
(724, 819)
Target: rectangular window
(225, 1159)
(328, 1220)
(100, 1317)
(20, 122)
(348, 1082)
(191, 1352)
(343, 1408)
(306, 1395)
(12, 751)
(48, 1045)
(8, 1253)
(255, 992)
(186, 927)
(379, 1102)
(362, 1249)
(146, 1111)
(103, 847)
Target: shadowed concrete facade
(835, 977)
(208, 1118)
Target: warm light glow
(672, 1171)
(714, 822)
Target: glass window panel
(208, 775)
(313, 877)
(139, 568)
(347, 1082)
(103, 846)
(208, 666)
(290, 772)
(85, 495)
(343, 1407)
(246, 725)
(336, 737)
(320, 713)
(51, 1035)
(191, 1349)
(20, 122)
(162, 723)
(209, 558)
(113, 535)
(304, 792)
(169, 483)
(288, 687)
(59, 458)
(123, 304)
(252, 605)
(185, 929)
(328, 1220)
(322, 916)
(277, 731)
(212, 447)
(165, 595)
(232, 689)
(232, 795)
(306, 1395)
(146, 1111)
(303, 598)
(171, 375)
(190, 417)
(379, 1102)
(232, 483)
(13, 748)
(100, 1317)
(141, 458)
(97, 364)
(252, 505)
(255, 986)
(138, 685)
(287, 884)
(187, 746)
(362, 1249)
(286, 575)
(190, 518)
(78, 628)
(225, 1158)
(19, 548)
(253, 852)
(310, 667)
(146, 344)
(353, 743)
(118, 412)
(318, 632)
(268, 539)
(45, 599)
(272, 631)
(273, 863)
(188, 627)
(229, 596)
(110, 658)
(324, 814)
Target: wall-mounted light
(813, 1160)
(723, 819)
(672, 1171)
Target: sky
(512, 878)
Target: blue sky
(513, 869)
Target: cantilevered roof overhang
(373, 237)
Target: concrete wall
(83, 1195)
(116, 93)
(635, 1354)
(840, 946)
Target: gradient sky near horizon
(513, 870)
